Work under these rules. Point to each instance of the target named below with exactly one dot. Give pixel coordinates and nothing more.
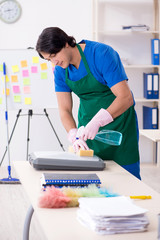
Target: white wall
(74, 17)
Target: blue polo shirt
(103, 61)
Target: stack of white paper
(112, 215)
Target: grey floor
(14, 204)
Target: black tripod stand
(30, 114)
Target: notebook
(60, 179)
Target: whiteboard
(29, 80)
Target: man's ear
(67, 45)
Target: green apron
(94, 96)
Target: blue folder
(150, 117)
(155, 51)
(148, 85)
(155, 81)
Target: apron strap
(83, 58)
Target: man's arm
(123, 100)
(65, 104)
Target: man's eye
(53, 55)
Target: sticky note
(35, 59)
(43, 75)
(1, 68)
(7, 91)
(7, 79)
(26, 81)
(16, 89)
(14, 78)
(34, 69)
(0, 100)
(17, 98)
(43, 66)
(24, 63)
(15, 68)
(27, 101)
(25, 73)
(26, 89)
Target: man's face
(61, 58)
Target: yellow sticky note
(7, 91)
(43, 66)
(43, 75)
(17, 98)
(26, 81)
(14, 78)
(27, 101)
(1, 68)
(35, 59)
(15, 68)
(24, 63)
(7, 79)
(0, 100)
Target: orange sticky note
(24, 63)
(14, 78)
(43, 66)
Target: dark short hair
(52, 40)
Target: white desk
(153, 135)
(60, 224)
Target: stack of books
(112, 215)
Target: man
(94, 72)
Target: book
(148, 85)
(151, 85)
(67, 179)
(155, 51)
(150, 117)
(155, 85)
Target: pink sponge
(53, 198)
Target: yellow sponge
(81, 152)
(85, 153)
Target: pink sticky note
(25, 73)
(26, 89)
(16, 89)
(34, 69)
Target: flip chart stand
(30, 114)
